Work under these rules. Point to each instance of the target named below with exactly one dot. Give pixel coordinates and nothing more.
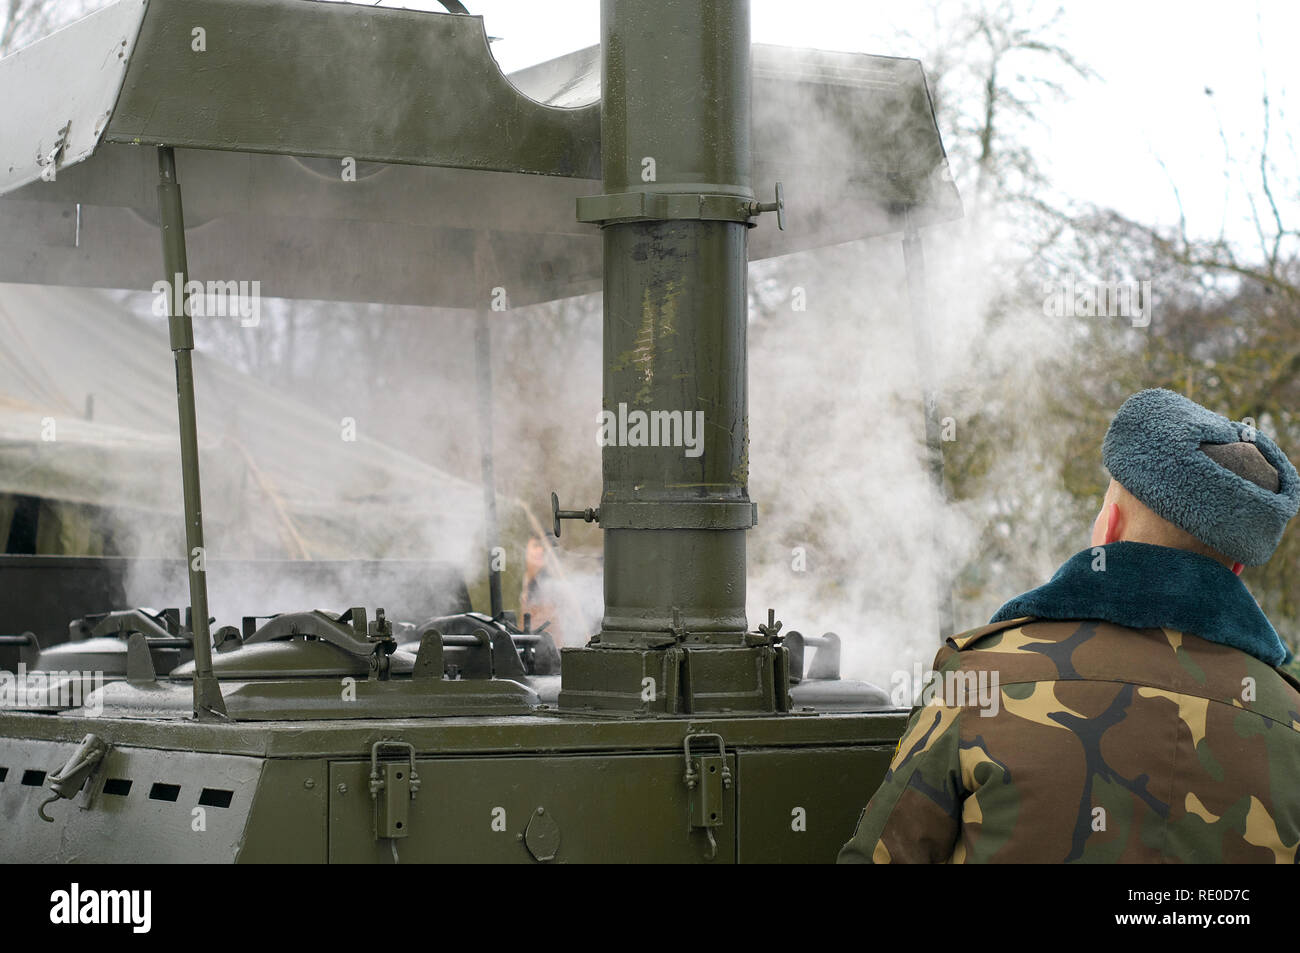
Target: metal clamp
(678, 514)
(674, 204)
(589, 515)
(664, 204)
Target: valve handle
(589, 515)
(778, 206)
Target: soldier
(539, 595)
(1139, 715)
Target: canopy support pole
(483, 373)
(208, 703)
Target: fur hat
(1223, 482)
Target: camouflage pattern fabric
(1106, 745)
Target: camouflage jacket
(1102, 744)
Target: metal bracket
(707, 777)
(825, 664)
(380, 635)
(778, 206)
(139, 660)
(227, 639)
(69, 779)
(429, 664)
(393, 786)
(29, 648)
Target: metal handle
(778, 206)
(376, 783)
(589, 515)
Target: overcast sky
(1155, 60)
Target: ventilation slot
(216, 797)
(164, 792)
(4, 773)
(118, 786)
(33, 778)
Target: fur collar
(1146, 587)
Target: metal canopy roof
(453, 157)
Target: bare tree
(25, 21)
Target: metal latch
(68, 781)
(393, 786)
(707, 778)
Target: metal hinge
(707, 778)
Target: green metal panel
(800, 806)
(506, 735)
(608, 809)
(327, 79)
(613, 787)
(288, 820)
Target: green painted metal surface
(289, 219)
(708, 762)
(792, 804)
(271, 793)
(325, 79)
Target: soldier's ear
(1238, 567)
(1114, 522)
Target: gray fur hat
(1195, 468)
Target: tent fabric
(278, 477)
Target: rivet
(309, 784)
(343, 789)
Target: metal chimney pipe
(675, 135)
(675, 211)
